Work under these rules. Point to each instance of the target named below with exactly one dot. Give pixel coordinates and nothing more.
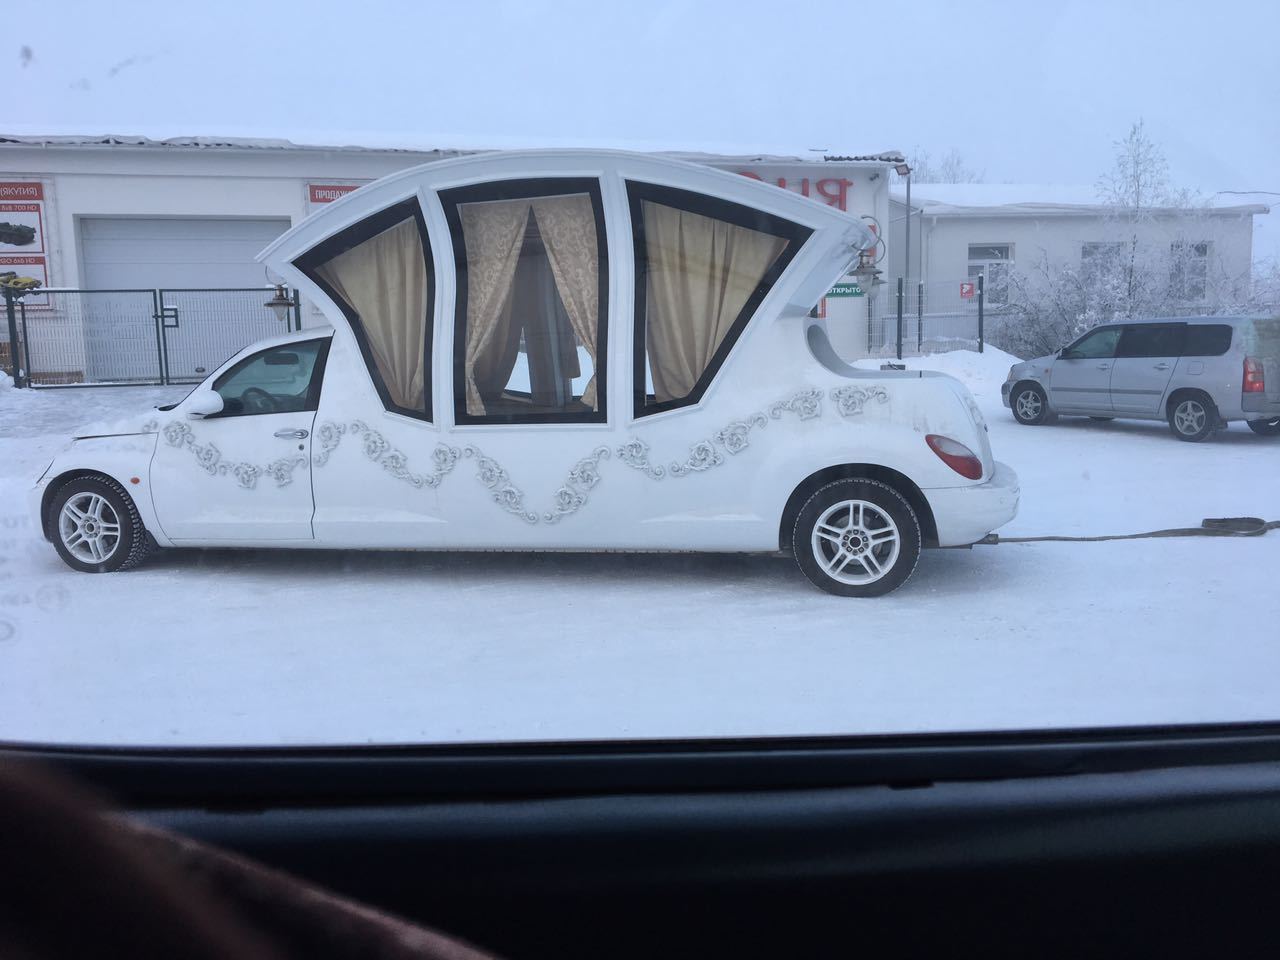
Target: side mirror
(203, 403)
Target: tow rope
(1209, 527)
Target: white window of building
(1188, 271)
(1101, 262)
(995, 262)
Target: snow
(1034, 194)
(273, 648)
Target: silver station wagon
(1198, 373)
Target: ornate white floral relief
(209, 458)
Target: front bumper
(1005, 389)
(964, 515)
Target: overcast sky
(1028, 92)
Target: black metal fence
(72, 337)
(916, 319)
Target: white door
(1081, 376)
(244, 474)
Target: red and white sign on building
(320, 193)
(22, 233)
(967, 289)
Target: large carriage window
(378, 272)
(702, 267)
(530, 334)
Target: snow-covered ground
(288, 648)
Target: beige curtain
(493, 234)
(701, 271)
(384, 280)
(568, 229)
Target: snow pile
(982, 373)
(6, 382)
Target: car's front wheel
(96, 527)
(856, 538)
(1029, 404)
(1266, 428)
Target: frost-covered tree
(949, 168)
(1157, 261)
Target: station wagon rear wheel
(857, 538)
(1193, 418)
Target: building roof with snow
(1037, 200)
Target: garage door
(201, 329)
(126, 252)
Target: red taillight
(1255, 380)
(956, 456)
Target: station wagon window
(284, 379)
(703, 266)
(1152, 340)
(1207, 340)
(1097, 344)
(531, 333)
(378, 273)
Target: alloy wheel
(855, 542)
(89, 527)
(1189, 417)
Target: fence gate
(200, 329)
(138, 336)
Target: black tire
(1029, 404)
(1193, 417)
(881, 565)
(1266, 428)
(1102, 419)
(131, 543)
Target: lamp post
(280, 305)
(904, 170)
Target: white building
(961, 230)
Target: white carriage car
(564, 350)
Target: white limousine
(552, 350)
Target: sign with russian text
(28, 265)
(845, 290)
(22, 217)
(329, 192)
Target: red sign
(329, 192)
(28, 266)
(21, 190)
(833, 190)
(966, 289)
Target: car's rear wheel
(96, 527)
(856, 538)
(1029, 404)
(1266, 428)
(1193, 417)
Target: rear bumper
(964, 515)
(1258, 406)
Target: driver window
(1098, 345)
(278, 380)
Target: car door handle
(1162, 366)
(292, 434)
(1104, 366)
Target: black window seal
(222, 777)
(351, 237)
(526, 189)
(313, 384)
(728, 211)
